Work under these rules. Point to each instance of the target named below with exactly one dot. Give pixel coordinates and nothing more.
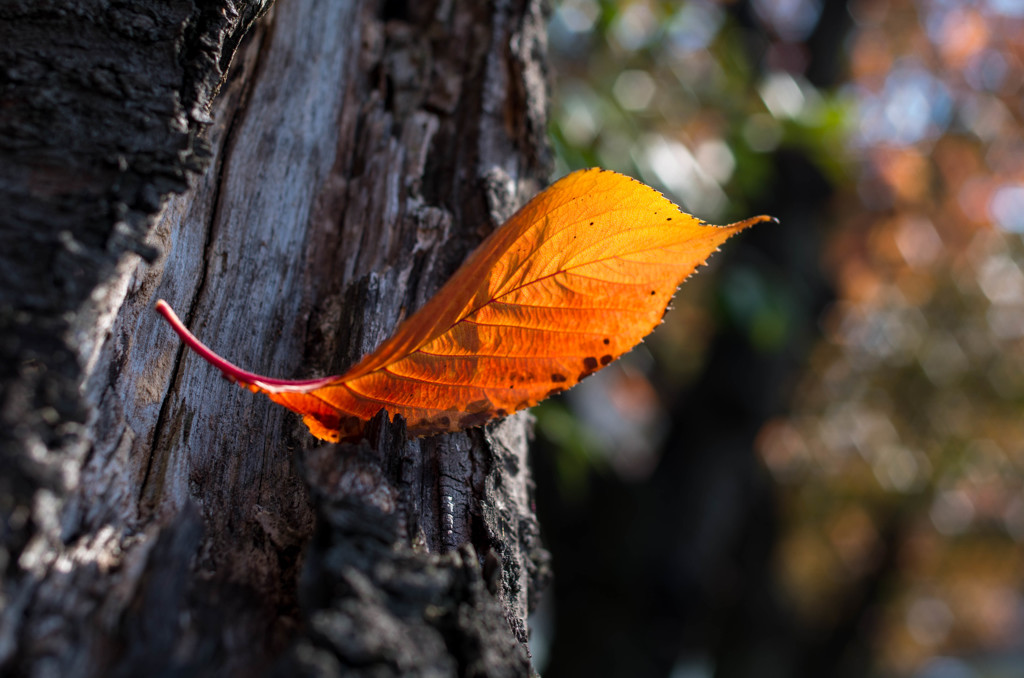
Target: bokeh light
(894, 443)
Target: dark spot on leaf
(591, 223)
(590, 363)
(349, 427)
(606, 342)
(557, 378)
(669, 219)
(653, 293)
(554, 391)
(605, 359)
(329, 420)
(474, 419)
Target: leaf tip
(747, 223)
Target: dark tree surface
(157, 519)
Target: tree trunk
(158, 519)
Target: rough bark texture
(157, 519)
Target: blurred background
(815, 467)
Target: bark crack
(147, 498)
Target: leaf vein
(535, 329)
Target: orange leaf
(573, 280)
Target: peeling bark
(294, 210)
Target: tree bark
(158, 519)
